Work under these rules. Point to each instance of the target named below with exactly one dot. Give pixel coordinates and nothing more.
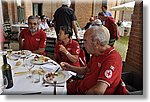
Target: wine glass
(23, 58)
(28, 66)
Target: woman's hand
(62, 49)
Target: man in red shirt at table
(32, 38)
(66, 49)
(103, 71)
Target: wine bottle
(6, 71)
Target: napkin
(49, 67)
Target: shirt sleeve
(110, 70)
(43, 40)
(76, 49)
(56, 53)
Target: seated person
(66, 49)
(89, 23)
(97, 22)
(43, 24)
(32, 38)
(103, 72)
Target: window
(37, 9)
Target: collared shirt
(72, 47)
(43, 25)
(106, 68)
(110, 24)
(33, 42)
(64, 17)
(108, 13)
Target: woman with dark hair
(66, 49)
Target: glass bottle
(6, 71)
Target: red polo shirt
(33, 42)
(72, 47)
(109, 23)
(106, 68)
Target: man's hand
(65, 66)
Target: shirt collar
(108, 51)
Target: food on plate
(22, 53)
(51, 75)
(41, 58)
(39, 71)
(18, 63)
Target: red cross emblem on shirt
(108, 73)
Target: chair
(50, 45)
(82, 61)
(9, 34)
(7, 43)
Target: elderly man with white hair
(65, 16)
(102, 75)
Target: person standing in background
(104, 9)
(111, 25)
(65, 16)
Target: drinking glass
(28, 65)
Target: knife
(57, 70)
(21, 73)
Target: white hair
(97, 22)
(101, 34)
(66, 2)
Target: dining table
(126, 25)
(25, 81)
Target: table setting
(33, 73)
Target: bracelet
(67, 53)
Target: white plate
(26, 53)
(49, 67)
(60, 78)
(40, 62)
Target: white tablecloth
(23, 85)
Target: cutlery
(46, 84)
(21, 73)
(55, 82)
(53, 63)
(57, 70)
(32, 93)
